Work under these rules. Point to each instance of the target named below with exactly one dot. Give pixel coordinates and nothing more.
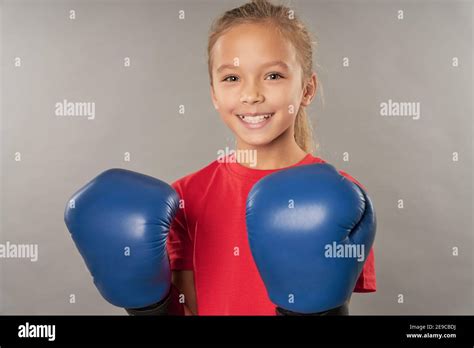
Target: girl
(261, 81)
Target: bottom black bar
(412, 330)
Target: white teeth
(255, 119)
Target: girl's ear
(310, 90)
(213, 97)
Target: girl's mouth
(254, 121)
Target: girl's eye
(275, 74)
(228, 77)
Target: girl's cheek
(226, 96)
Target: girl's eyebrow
(280, 63)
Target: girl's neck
(278, 154)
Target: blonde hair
(291, 28)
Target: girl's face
(256, 83)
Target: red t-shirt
(209, 236)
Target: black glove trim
(342, 310)
(160, 308)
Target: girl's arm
(184, 282)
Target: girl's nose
(251, 95)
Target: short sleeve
(367, 280)
(179, 244)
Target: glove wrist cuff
(159, 308)
(342, 310)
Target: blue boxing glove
(310, 231)
(120, 222)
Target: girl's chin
(254, 141)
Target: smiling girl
(261, 81)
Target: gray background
(137, 112)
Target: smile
(255, 120)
